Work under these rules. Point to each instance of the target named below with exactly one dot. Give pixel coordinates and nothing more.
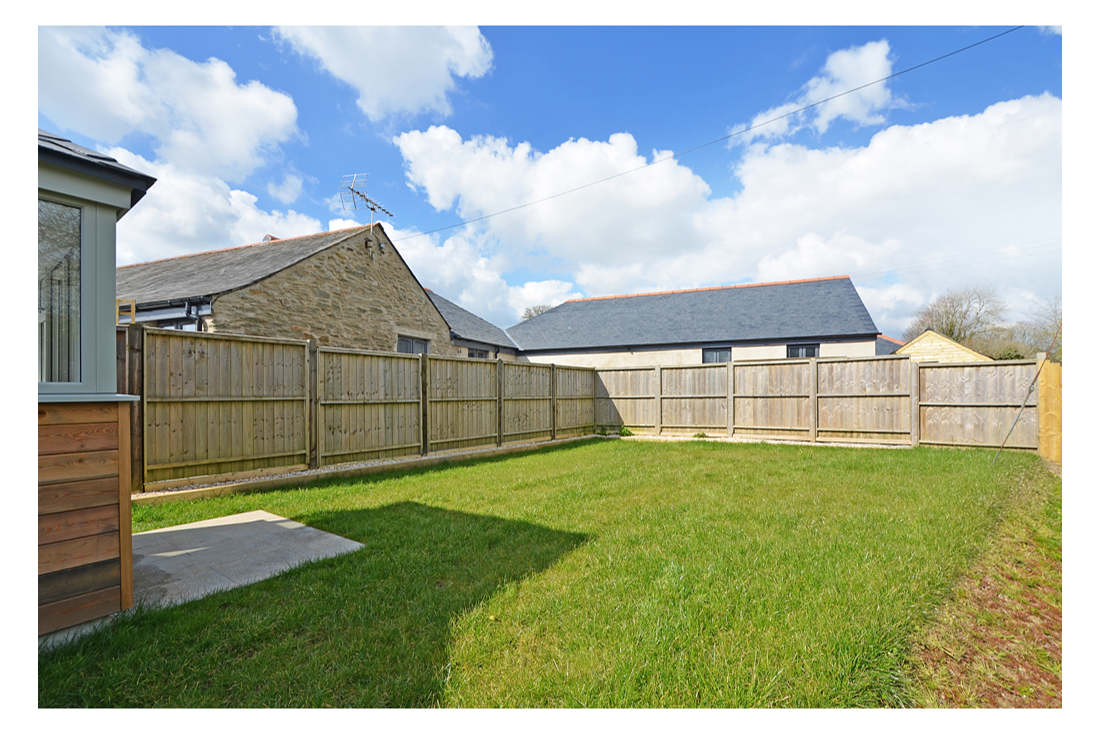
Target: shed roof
(796, 309)
(469, 326)
(67, 154)
(203, 274)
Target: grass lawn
(607, 573)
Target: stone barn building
(348, 288)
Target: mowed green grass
(606, 573)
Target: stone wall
(346, 296)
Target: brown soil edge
(997, 642)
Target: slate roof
(802, 309)
(219, 271)
(469, 326)
(67, 154)
(887, 345)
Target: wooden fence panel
(527, 403)
(975, 404)
(1050, 412)
(694, 399)
(462, 403)
(218, 404)
(625, 397)
(772, 399)
(574, 392)
(863, 400)
(368, 405)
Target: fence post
(313, 390)
(593, 431)
(135, 385)
(424, 400)
(813, 399)
(553, 401)
(1050, 412)
(729, 398)
(914, 402)
(658, 401)
(500, 402)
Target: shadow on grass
(370, 628)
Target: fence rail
(219, 405)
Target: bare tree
(965, 315)
(532, 311)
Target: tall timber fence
(881, 400)
(217, 406)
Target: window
(412, 345)
(58, 292)
(719, 354)
(802, 350)
(477, 353)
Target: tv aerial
(352, 197)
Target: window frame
(481, 353)
(413, 339)
(797, 345)
(97, 294)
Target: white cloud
(288, 190)
(105, 84)
(843, 70)
(335, 224)
(916, 211)
(186, 212)
(395, 69)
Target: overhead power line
(748, 128)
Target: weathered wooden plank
(77, 581)
(58, 526)
(77, 552)
(64, 438)
(68, 413)
(72, 611)
(65, 496)
(77, 466)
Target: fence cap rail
(229, 336)
(367, 353)
(994, 363)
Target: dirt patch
(998, 642)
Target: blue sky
(945, 177)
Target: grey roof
(807, 309)
(886, 346)
(67, 154)
(219, 271)
(469, 326)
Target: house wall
(933, 347)
(676, 356)
(344, 296)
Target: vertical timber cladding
(864, 400)
(625, 397)
(693, 399)
(574, 400)
(84, 546)
(462, 403)
(368, 405)
(219, 404)
(974, 404)
(772, 399)
(527, 401)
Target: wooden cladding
(84, 544)
(871, 399)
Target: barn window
(802, 350)
(412, 345)
(477, 353)
(719, 354)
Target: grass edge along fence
(876, 400)
(219, 406)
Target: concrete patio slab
(185, 562)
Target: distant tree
(1044, 328)
(965, 315)
(533, 311)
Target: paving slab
(184, 562)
